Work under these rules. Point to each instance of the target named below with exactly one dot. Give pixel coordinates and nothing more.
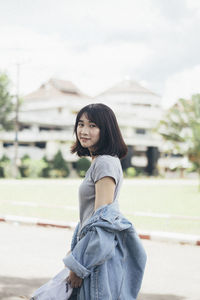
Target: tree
(60, 166)
(4, 163)
(6, 105)
(181, 126)
(82, 165)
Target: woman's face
(88, 133)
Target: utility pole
(16, 127)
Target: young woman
(107, 259)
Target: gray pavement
(30, 255)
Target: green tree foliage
(130, 172)
(55, 168)
(45, 172)
(181, 126)
(30, 167)
(6, 105)
(82, 165)
(59, 166)
(4, 163)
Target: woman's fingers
(74, 280)
(76, 283)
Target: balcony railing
(39, 136)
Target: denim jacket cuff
(75, 266)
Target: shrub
(59, 166)
(24, 166)
(130, 172)
(55, 168)
(30, 167)
(45, 172)
(5, 166)
(36, 167)
(82, 165)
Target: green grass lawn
(58, 200)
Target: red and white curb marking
(38, 222)
(184, 239)
(173, 237)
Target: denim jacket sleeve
(74, 237)
(97, 246)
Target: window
(41, 145)
(5, 145)
(140, 131)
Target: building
(46, 121)
(47, 117)
(138, 111)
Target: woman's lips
(85, 139)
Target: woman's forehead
(84, 117)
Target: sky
(96, 44)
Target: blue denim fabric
(109, 256)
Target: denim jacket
(109, 256)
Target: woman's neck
(93, 157)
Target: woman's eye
(92, 125)
(80, 124)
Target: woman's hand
(74, 280)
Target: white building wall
(133, 110)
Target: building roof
(64, 86)
(54, 88)
(127, 86)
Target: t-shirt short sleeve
(106, 166)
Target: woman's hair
(110, 141)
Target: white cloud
(193, 4)
(42, 56)
(182, 85)
(97, 43)
(38, 54)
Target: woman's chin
(84, 145)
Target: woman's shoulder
(107, 159)
(106, 165)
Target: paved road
(30, 255)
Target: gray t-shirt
(103, 166)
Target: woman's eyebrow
(83, 121)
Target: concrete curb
(173, 237)
(37, 222)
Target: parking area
(30, 255)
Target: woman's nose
(84, 130)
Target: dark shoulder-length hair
(111, 141)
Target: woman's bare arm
(104, 194)
(104, 191)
